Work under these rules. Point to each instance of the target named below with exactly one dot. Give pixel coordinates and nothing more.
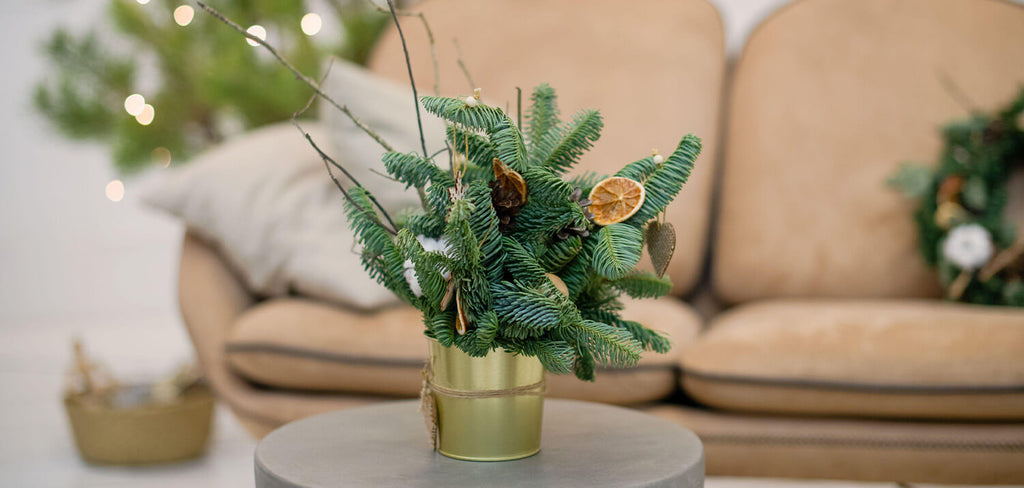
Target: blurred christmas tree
(184, 81)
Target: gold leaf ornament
(661, 244)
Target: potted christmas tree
(516, 267)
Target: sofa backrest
(653, 67)
(828, 98)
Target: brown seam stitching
(857, 387)
(303, 353)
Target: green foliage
(617, 249)
(207, 78)
(642, 284)
(975, 164)
(666, 180)
(501, 273)
(562, 145)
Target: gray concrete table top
(385, 445)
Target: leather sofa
(810, 339)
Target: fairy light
(161, 157)
(142, 2)
(311, 24)
(258, 31)
(134, 104)
(146, 116)
(183, 15)
(114, 190)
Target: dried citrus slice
(615, 199)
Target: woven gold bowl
(147, 434)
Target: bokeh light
(142, 2)
(183, 15)
(311, 24)
(115, 190)
(146, 116)
(134, 104)
(258, 31)
(161, 157)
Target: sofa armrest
(210, 297)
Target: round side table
(385, 445)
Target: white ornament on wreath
(968, 246)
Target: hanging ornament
(661, 244)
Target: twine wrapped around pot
(428, 400)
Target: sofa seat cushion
(299, 344)
(907, 359)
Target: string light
(134, 104)
(114, 190)
(258, 31)
(161, 157)
(146, 116)
(311, 24)
(183, 15)
(142, 2)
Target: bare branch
(298, 74)
(328, 161)
(462, 64)
(430, 38)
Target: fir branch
(298, 74)
(543, 114)
(642, 284)
(666, 181)
(562, 145)
(617, 249)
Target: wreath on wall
(963, 230)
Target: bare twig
(328, 161)
(412, 80)
(384, 175)
(519, 107)
(298, 74)
(415, 96)
(462, 64)
(956, 93)
(430, 38)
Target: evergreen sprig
(504, 276)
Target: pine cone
(567, 232)
(508, 194)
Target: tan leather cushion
(829, 97)
(915, 359)
(854, 449)
(653, 67)
(304, 345)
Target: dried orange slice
(615, 199)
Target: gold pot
(489, 408)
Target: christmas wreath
(963, 230)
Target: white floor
(73, 263)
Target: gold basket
(146, 434)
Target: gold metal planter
(489, 408)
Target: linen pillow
(265, 203)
